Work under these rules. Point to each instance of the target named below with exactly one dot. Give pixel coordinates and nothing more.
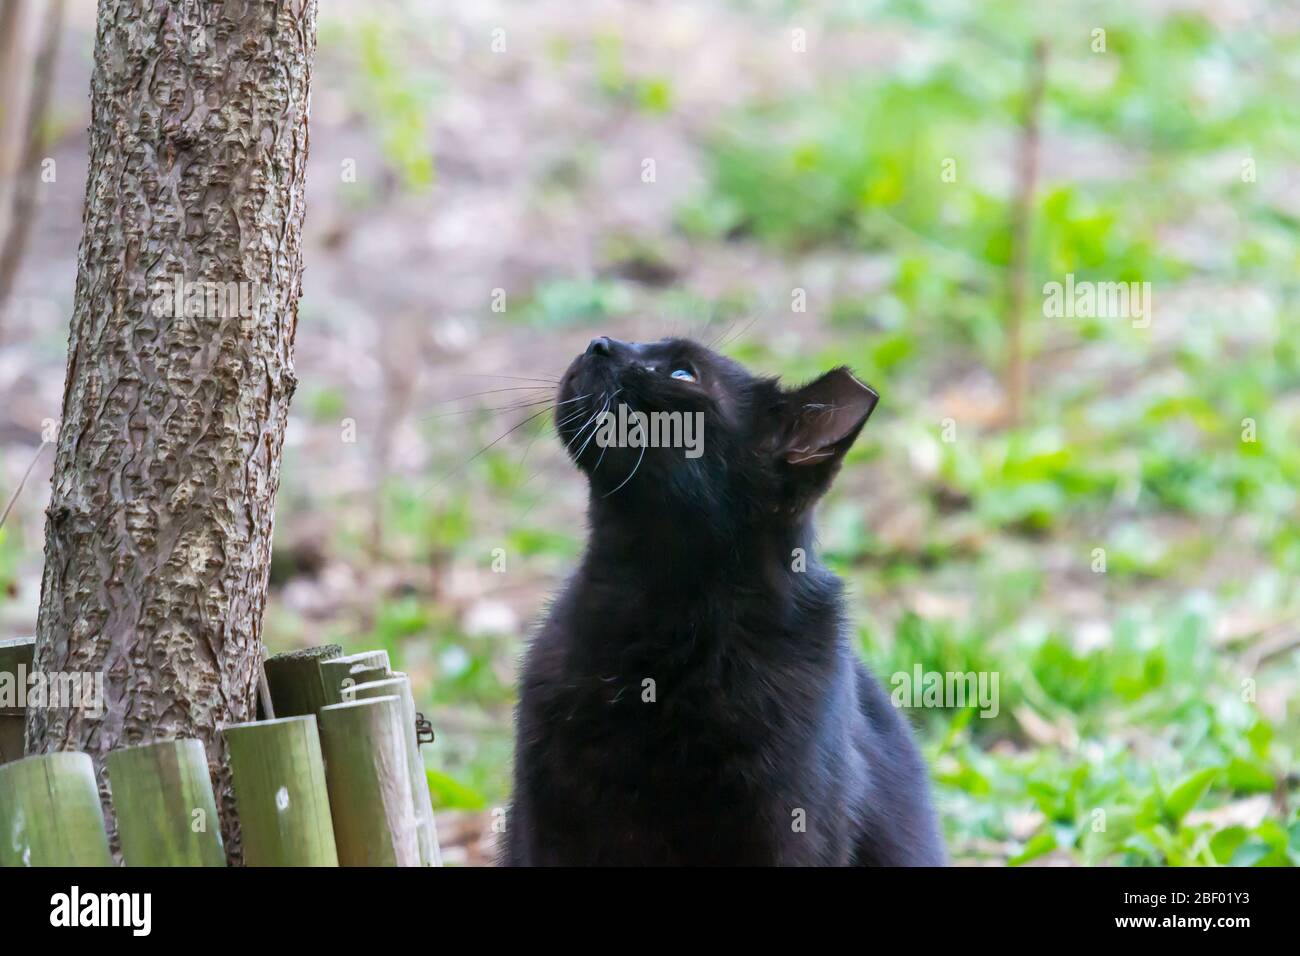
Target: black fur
(762, 716)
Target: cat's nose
(598, 346)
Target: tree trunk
(158, 532)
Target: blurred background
(828, 182)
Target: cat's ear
(820, 420)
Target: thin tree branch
(13, 240)
(1016, 382)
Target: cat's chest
(682, 696)
(639, 747)
(693, 704)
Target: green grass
(1150, 746)
(1121, 559)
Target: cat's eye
(683, 375)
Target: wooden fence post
(50, 813)
(341, 674)
(295, 680)
(369, 783)
(399, 686)
(166, 813)
(280, 792)
(15, 666)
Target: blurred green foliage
(392, 94)
(1132, 726)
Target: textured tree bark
(158, 532)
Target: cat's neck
(658, 594)
(694, 551)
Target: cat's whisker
(714, 341)
(594, 415)
(581, 411)
(635, 468)
(748, 325)
(599, 417)
(496, 391)
(572, 417)
(600, 459)
(583, 429)
(479, 408)
(508, 408)
(529, 447)
(535, 389)
(513, 378)
(514, 428)
(559, 424)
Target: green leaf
(450, 794)
(1259, 736)
(1226, 842)
(1268, 846)
(1188, 792)
(1038, 845)
(1248, 777)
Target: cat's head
(672, 423)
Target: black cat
(693, 697)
